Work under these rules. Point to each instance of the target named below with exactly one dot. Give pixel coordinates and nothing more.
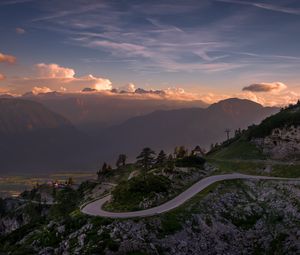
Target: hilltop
(276, 137)
(272, 147)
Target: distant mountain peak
(19, 115)
(236, 101)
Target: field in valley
(13, 185)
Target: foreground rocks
(282, 143)
(233, 217)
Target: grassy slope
(240, 155)
(240, 149)
(121, 174)
(286, 117)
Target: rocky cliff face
(282, 143)
(233, 217)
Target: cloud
(265, 87)
(283, 98)
(279, 99)
(4, 90)
(7, 58)
(128, 48)
(54, 71)
(2, 77)
(12, 2)
(269, 7)
(130, 87)
(72, 11)
(20, 30)
(58, 78)
(39, 90)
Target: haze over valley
(154, 127)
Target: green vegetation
(170, 224)
(67, 200)
(120, 174)
(190, 161)
(161, 159)
(256, 168)
(240, 146)
(146, 159)
(288, 171)
(240, 149)
(128, 194)
(286, 117)
(121, 160)
(173, 221)
(237, 166)
(136, 253)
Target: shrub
(128, 194)
(170, 224)
(284, 118)
(190, 161)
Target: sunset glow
(209, 49)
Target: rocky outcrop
(8, 221)
(259, 217)
(282, 143)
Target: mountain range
(189, 127)
(90, 112)
(35, 138)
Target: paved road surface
(95, 208)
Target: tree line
(148, 159)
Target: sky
(205, 49)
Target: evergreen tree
(161, 159)
(104, 167)
(181, 152)
(99, 175)
(70, 181)
(121, 160)
(146, 158)
(102, 171)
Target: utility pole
(227, 131)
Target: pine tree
(102, 171)
(181, 152)
(70, 181)
(104, 167)
(121, 160)
(161, 159)
(146, 158)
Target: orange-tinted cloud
(265, 87)
(54, 71)
(7, 58)
(283, 98)
(2, 77)
(39, 90)
(130, 87)
(54, 77)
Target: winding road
(95, 208)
